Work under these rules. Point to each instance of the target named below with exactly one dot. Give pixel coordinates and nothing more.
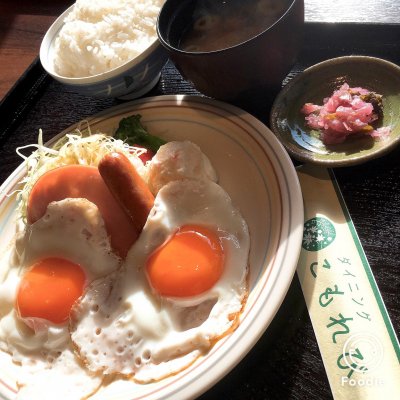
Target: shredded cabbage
(74, 148)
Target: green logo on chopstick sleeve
(319, 233)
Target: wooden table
(22, 27)
(286, 363)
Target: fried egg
(138, 321)
(54, 259)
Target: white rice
(100, 35)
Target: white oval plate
(256, 171)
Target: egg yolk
(49, 289)
(188, 264)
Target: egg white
(73, 229)
(122, 326)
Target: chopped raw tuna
(347, 111)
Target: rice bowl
(105, 67)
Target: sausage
(127, 186)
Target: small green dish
(318, 82)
